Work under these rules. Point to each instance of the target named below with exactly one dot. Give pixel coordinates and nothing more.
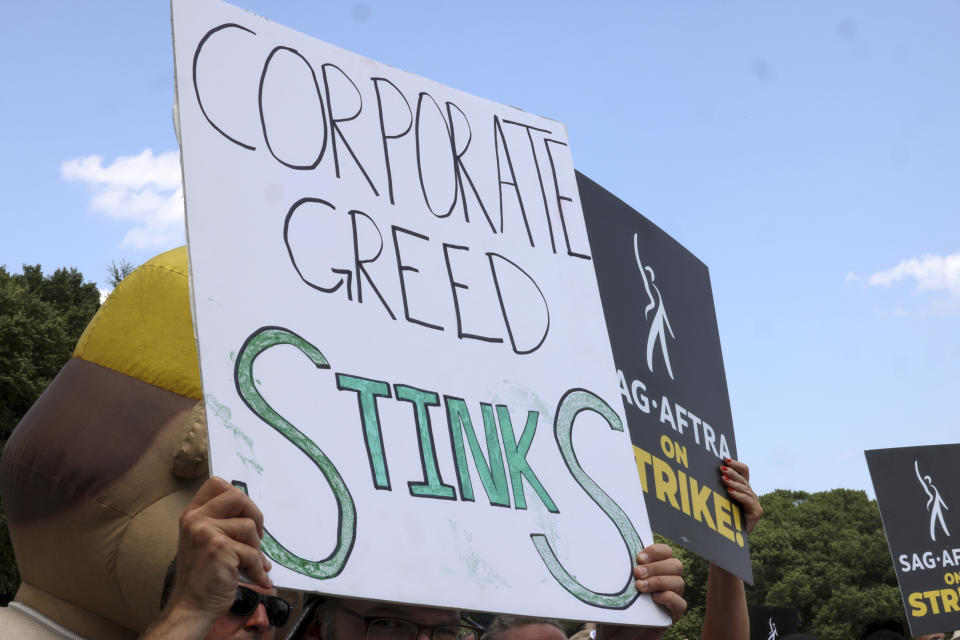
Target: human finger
(654, 553)
(731, 474)
(658, 570)
(231, 504)
(240, 529)
(253, 563)
(739, 467)
(656, 584)
(738, 480)
(738, 485)
(748, 501)
(674, 603)
(667, 567)
(213, 487)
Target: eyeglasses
(379, 628)
(247, 600)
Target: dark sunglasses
(247, 600)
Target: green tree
(695, 570)
(823, 553)
(117, 272)
(41, 318)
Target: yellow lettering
(680, 454)
(721, 507)
(673, 450)
(735, 508)
(933, 597)
(694, 499)
(666, 445)
(949, 600)
(643, 459)
(916, 602)
(684, 493)
(701, 511)
(665, 482)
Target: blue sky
(807, 152)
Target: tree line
(824, 554)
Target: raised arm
(726, 616)
(923, 484)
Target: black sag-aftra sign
(659, 311)
(918, 489)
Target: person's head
(345, 619)
(883, 629)
(256, 612)
(509, 627)
(255, 615)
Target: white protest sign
(403, 352)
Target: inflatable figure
(96, 474)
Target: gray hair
(324, 617)
(506, 622)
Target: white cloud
(852, 277)
(144, 189)
(930, 272)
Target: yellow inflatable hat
(144, 329)
(96, 474)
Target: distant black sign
(663, 329)
(918, 489)
(773, 623)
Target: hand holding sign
(736, 476)
(220, 534)
(659, 573)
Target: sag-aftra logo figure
(934, 503)
(660, 321)
(773, 630)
